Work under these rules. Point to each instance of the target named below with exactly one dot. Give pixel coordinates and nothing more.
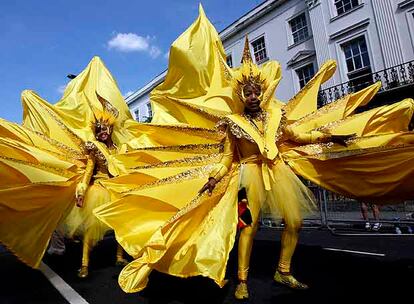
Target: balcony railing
(391, 78)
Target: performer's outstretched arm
(221, 168)
(316, 137)
(83, 185)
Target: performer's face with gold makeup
(103, 133)
(251, 95)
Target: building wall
(386, 25)
(274, 27)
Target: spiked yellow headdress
(248, 74)
(107, 117)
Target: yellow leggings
(289, 240)
(88, 245)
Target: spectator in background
(375, 212)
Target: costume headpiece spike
(107, 106)
(107, 117)
(248, 74)
(247, 56)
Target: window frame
(349, 42)
(334, 13)
(264, 59)
(229, 55)
(136, 114)
(149, 110)
(292, 37)
(353, 7)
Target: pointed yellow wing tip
(329, 64)
(201, 10)
(96, 60)
(27, 93)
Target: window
(356, 54)
(305, 74)
(149, 110)
(357, 63)
(229, 60)
(299, 28)
(136, 114)
(342, 6)
(259, 50)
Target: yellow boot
(241, 292)
(289, 280)
(83, 272)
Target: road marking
(357, 252)
(64, 289)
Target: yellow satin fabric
(180, 236)
(29, 214)
(158, 216)
(81, 221)
(42, 161)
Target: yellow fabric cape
(166, 225)
(43, 159)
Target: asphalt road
(332, 275)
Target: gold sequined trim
(50, 169)
(223, 67)
(322, 111)
(321, 150)
(341, 154)
(178, 178)
(282, 125)
(196, 148)
(66, 150)
(188, 161)
(204, 112)
(261, 116)
(101, 162)
(75, 139)
(204, 132)
(220, 189)
(314, 149)
(234, 128)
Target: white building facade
(370, 40)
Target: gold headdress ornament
(248, 74)
(107, 117)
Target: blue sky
(43, 41)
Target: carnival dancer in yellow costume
(251, 140)
(259, 143)
(90, 194)
(61, 151)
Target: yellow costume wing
(333, 112)
(36, 190)
(305, 101)
(160, 219)
(377, 168)
(43, 160)
(172, 229)
(197, 89)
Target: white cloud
(61, 89)
(130, 42)
(154, 51)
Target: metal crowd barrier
(343, 216)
